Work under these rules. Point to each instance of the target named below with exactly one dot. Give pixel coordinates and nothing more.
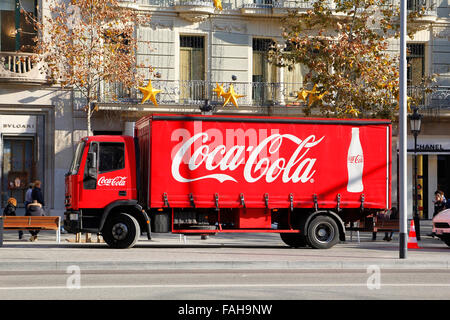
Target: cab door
(111, 179)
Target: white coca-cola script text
(112, 182)
(298, 168)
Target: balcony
(193, 93)
(268, 7)
(190, 95)
(20, 67)
(194, 10)
(434, 99)
(428, 8)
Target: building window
(192, 67)
(16, 33)
(416, 63)
(293, 78)
(264, 74)
(263, 3)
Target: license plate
(73, 216)
(438, 231)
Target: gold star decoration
(232, 96)
(313, 95)
(218, 4)
(302, 95)
(408, 102)
(149, 93)
(219, 90)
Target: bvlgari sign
(17, 124)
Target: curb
(61, 266)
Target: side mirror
(92, 164)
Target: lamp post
(415, 121)
(402, 141)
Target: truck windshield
(77, 158)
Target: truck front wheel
(121, 231)
(323, 232)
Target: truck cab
(101, 190)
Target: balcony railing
(282, 4)
(429, 6)
(195, 92)
(20, 67)
(256, 94)
(434, 98)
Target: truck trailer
(304, 178)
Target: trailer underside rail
(235, 231)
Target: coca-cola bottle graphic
(355, 163)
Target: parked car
(441, 226)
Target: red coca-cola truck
(303, 178)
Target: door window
(112, 156)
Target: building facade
(193, 47)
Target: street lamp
(415, 121)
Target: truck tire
(294, 240)
(121, 231)
(322, 233)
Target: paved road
(225, 284)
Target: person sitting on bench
(10, 210)
(35, 210)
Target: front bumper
(72, 221)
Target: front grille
(442, 225)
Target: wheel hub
(324, 233)
(119, 231)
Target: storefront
(22, 155)
(433, 171)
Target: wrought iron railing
(286, 4)
(430, 98)
(256, 94)
(429, 6)
(194, 92)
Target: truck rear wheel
(294, 240)
(121, 231)
(323, 232)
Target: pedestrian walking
(10, 210)
(37, 194)
(36, 208)
(440, 202)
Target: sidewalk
(223, 251)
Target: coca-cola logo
(263, 161)
(112, 182)
(356, 159)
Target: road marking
(154, 286)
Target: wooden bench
(33, 223)
(387, 225)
